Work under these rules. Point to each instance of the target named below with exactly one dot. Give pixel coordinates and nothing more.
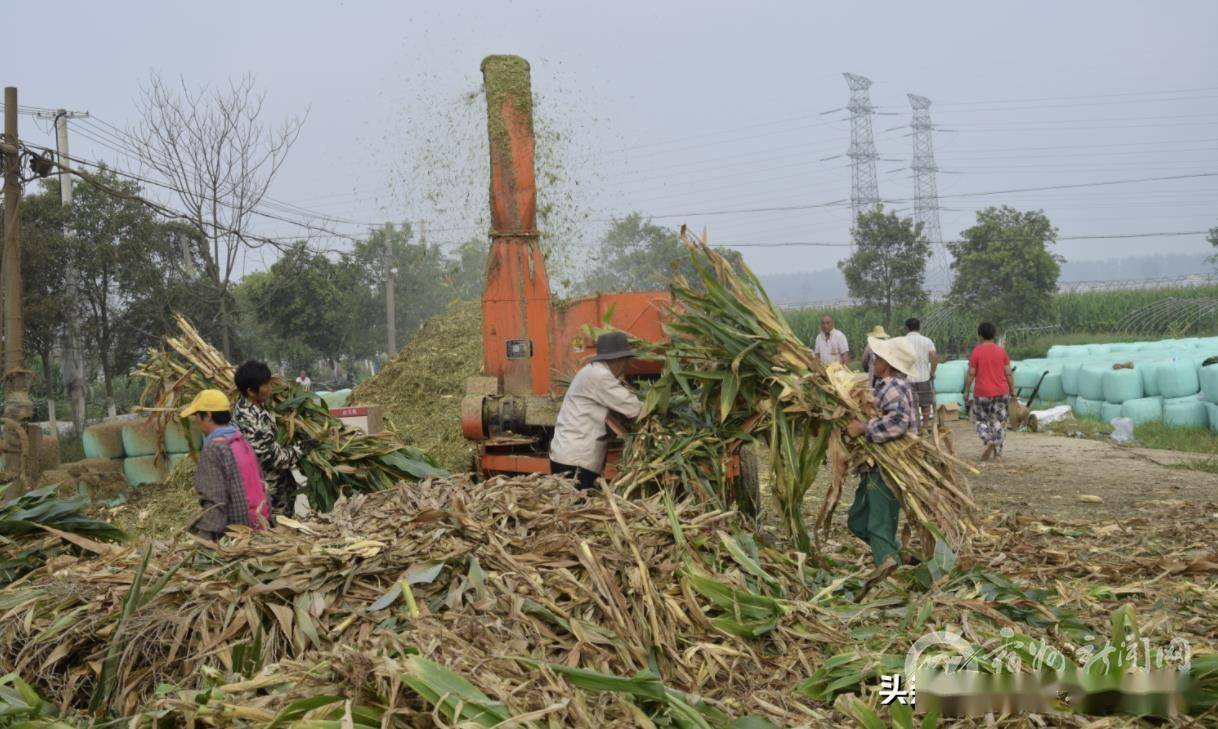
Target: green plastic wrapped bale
(104, 440)
(949, 377)
(143, 470)
(178, 441)
(1150, 378)
(1109, 410)
(1143, 410)
(1072, 401)
(1177, 379)
(1212, 411)
(1070, 372)
(1121, 385)
(945, 398)
(1027, 374)
(1051, 388)
(1091, 381)
(1207, 378)
(174, 458)
(1087, 408)
(1098, 350)
(1058, 351)
(1185, 412)
(337, 398)
(139, 438)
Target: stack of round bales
(949, 382)
(134, 442)
(1143, 381)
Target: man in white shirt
(579, 444)
(304, 381)
(831, 345)
(922, 378)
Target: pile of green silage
(422, 386)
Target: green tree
(294, 310)
(129, 273)
(1004, 270)
(467, 268)
(637, 255)
(421, 279)
(43, 282)
(888, 265)
(1213, 240)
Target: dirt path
(1044, 475)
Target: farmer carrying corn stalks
(257, 424)
(873, 515)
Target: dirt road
(1044, 475)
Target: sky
(710, 114)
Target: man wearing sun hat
(228, 479)
(868, 357)
(873, 515)
(578, 447)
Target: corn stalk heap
(735, 375)
(346, 461)
(521, 602)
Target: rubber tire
(748, 483)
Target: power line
(1097, 236)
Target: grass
(1189, 440)
(1151, 435)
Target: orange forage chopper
(528, 343)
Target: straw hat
(895, 352)
(878, 332)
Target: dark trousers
(873, 516)
(584, 478)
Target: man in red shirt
(989, 369)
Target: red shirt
(990, 362)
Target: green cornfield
(1092, 316)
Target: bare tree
(214, 148)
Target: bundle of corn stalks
(38, 525)
(345, 461)
(735, 374)
(518, 601)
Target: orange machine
(530, 343)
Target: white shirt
(922, 347)
(304, 382)
(581, 420)
(832, 347)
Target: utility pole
(390, 307)
(17, 406)
(73, 363)
(864, 188)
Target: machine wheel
(748, 484)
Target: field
(1078, 318)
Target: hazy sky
(682, 108)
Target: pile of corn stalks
(39, 525)
(345, 461)
(520, 601)
(736, 375)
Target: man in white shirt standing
(579, 444)
(831, 345)
(922, 378)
